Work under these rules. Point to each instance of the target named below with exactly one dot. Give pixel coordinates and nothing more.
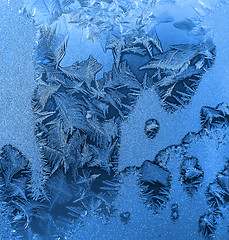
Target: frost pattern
(151, 128)
(22, 210)
(77, 129)
(175, 211)
(155, 185)
(192, 175)
(130, 25)
(177, 73)
(197, 176)
(78, 122)
(96, 18)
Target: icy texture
(174, 127)
(202, 156)
(177, 73)
(155, 185)
(121, 16)
(17, 83)
(151, 128)
(16, 194)
(85, 186)
(189, 211)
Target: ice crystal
(192, 175)
(125, 217)
(78, 119)
(96, 18)
(196, 174)
(178, 71)
(76, 193)
(214, 117)
(217, 195)
(174, 211)
(207, 225)
(76, 105)
(22, 210)
(155, 185)
(151, 128)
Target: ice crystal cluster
(151, 128)
(195, 173)
(78, 119)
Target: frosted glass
(114, 119)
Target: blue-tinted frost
(89, 183)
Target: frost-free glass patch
(126, 132)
